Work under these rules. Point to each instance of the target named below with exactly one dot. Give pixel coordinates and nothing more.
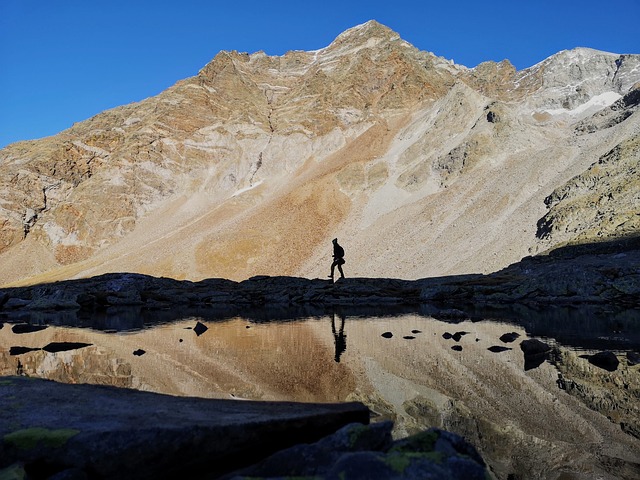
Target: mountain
(418, 165)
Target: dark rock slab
(107, 432)
(139, 352)
(387, 335)
(409, 337)
(457, 348)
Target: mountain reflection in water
(560, 415)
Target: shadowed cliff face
(253, 165)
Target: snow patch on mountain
(594, 104)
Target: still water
(561, 416)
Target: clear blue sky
(63, 61)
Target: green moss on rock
(13, 472)
(29, 438)
(420, 442)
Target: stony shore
(584, 275)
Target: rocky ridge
(254, 164)
(606, 274)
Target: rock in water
(498, 348)
(54, 347)
(534, 346)
(27, 328)
(200, 328)
(605, 360)
(535, 353)
(509, 337)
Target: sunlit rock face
(253, 165)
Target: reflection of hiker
(339, 336)
(338, 260)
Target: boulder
(535, 353)
(633, 358)
(359, 452)
(605, 360)
(533, 346)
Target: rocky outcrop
(356, 451)
(598, 274)
(84, 431)
(603, 383)
(603, 202)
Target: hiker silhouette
(339, 336)
(338, 259)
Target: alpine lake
(551, 394)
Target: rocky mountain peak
(258, 161)
(366, 31)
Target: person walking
(338, 259)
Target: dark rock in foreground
(105, 432)
(359, 452)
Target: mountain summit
(419, 166)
